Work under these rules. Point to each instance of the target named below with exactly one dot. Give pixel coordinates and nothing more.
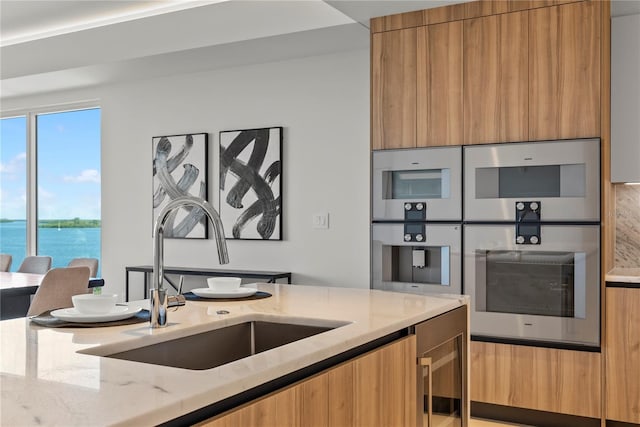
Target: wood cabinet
(439, 84)
(378, 388)
(530, 71)
(416, 87)
(564, 59)
(545, 379)
(393, 89)
(622, 355)
(496, 106)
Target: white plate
(236, 293)
(73, 315)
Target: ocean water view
(62, 244)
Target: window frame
(32, 162)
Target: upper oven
(561, 178)
(420, 184)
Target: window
(53, 160)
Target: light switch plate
(320, 220)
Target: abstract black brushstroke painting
(251, 183)
(180, 169)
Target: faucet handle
(176, 301)
(180, 284)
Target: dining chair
(57, 287)
(5, 262)
(92, 263)
(35, 265)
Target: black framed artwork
(251, 183)
(180, 169)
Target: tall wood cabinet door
(393, 89)
(496, 78)
(564, 89)
(439, 84)
(622, 359)
(387, 375)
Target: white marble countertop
(624, 275)
(45, 380)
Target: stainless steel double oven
(516, 226)
(416, 229)
(532, 241)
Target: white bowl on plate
(94, 304)
(224, 284)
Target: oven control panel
(528, 216)
(414, 232)
(415, 211)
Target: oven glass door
(563, 176)
(431, 176)
(545, 292)
(430, 266)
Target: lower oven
(416, 258)
(545, 292)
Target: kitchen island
(49, 376)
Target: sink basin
(217, 347)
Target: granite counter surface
(48, 378)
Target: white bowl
(94, 304)
(224, 284)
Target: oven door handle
(426, 363)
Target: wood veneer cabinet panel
(393, 89)
(341, 398)
(397, 21)
(564, 90)
(496, 103)
(622, 361)
(476, 9)
(545, 379)
(437, 15)
(439, 85)
(386, 376)
(376, 389)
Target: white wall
(323, 104)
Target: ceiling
(51, 45)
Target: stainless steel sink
(207, 350)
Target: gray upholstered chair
(92, 263)
(35, 265)
(5, 262)
(57, 288)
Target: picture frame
(180, 168)
(250, 183)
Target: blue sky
(68, 165)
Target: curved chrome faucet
(157, 292)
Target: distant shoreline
(61, 223)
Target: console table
(267, 276)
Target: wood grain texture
(496, 103)
(544, 379)
(439, 85)
(341, 398)
(622, 357)
(393, 89)
(382, 376)
(564, 90)
(378, 388)
(437, 15)
(397, 22)
(480, 8)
